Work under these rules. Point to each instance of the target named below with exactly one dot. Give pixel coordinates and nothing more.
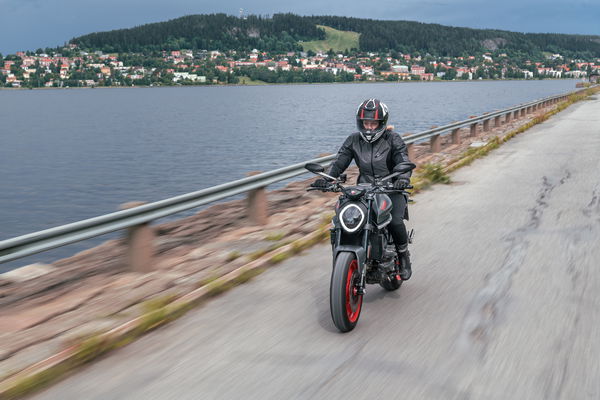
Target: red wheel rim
(353, 299)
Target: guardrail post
(507, 117)
(140, 244)
(257, 204)
(412, 153)
(486, 125)
(436, 144)
(456, 136)
(516, 114)
(473, 129)
(522, 112)
(497, 122)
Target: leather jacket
(374, 160)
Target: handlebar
(380, 185)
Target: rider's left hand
(401, 183)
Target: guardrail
(137, 219)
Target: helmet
(374, 110)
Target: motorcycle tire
(344, 300)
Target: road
(503, 302)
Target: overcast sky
(31, 24)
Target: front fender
(360, 253)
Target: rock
(26, 273)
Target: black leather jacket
(374, 160)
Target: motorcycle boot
(403, 261)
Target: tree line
(282, 32)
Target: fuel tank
(382, 208)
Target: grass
(334, 39)
(245, 80)
(233, 255)
(275, 236)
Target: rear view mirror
(314, 167)
(404, 167)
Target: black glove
(320, 184)
(401, 183)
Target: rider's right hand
(320, 184)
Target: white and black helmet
(373, 110)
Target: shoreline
(287, 83)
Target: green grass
(275, 236)
(334, 39)
(245, 80)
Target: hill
(289, 32)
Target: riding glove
(320, 183)
(401, 183)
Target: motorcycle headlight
(352, 217)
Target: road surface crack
(483, 312)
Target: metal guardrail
(36, 242)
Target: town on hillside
(71, 66)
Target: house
(28, 61)
(417, 70)
(460, 71)
(187, 76)
(400, 68)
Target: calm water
(67, 155)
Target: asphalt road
(503, 302)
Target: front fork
(365, 244)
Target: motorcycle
(362, 246)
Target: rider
(376, 149)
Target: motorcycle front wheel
(344, 299)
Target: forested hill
(282, 32)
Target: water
(67, 155)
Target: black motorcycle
(363, 251)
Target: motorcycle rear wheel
(344, 300)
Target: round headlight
(351, 217)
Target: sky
(33, 24)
